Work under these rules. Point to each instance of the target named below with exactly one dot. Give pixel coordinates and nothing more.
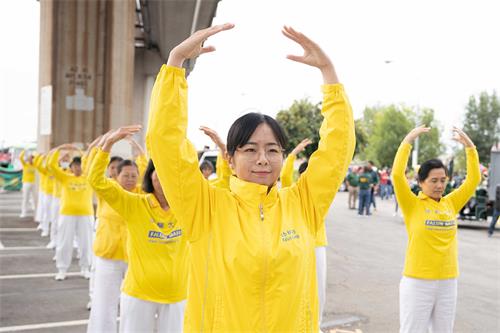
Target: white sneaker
(85, 273)
(22, 216)
(39, 227)
(89, 305)
(60, 276)
(54, 258)
(45, 233)
(51, 245)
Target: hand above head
(214, 136)
(192, 47)
(460, 136)
(136, 147)
(414, 133)
(313, 55)
(119, 134)
(301, 146)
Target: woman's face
(112, 169)
(260, 159)
(127, 178)
(435, 184)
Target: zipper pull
(261, 208)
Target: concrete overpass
(99, 59)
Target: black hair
(303, 167)
(367, 168)
(371, 163)
(125, 163)
(242, 129)
(115, 159)
(147, 182)
(206, 165)
(76, 160)
(427, 166)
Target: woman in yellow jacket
(286, 177)
(428, 288)
(109, 245)
(28, 184)
(76, 215)
(154, 289)
(252, 264)
(47, 187)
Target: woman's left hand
(313, 55)
(460, 136)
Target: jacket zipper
(261, 209)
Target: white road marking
(29, 276)
(22, 248)
(17, 229)
(44, 325)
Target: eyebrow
(267, 144)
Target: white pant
(106, 296)
(321, 276)
(46, 212)
(137, 315)
(54, 218)
(28, 198)
(67, 227)
(92, 261)
(427, 304)
(40, 206)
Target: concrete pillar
(86, 61)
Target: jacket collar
(156, 208)
(253, 193)
(422, 196)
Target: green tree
(389, 125)
(482, 123)
(361, 138)
(301, 120)
(429, 145)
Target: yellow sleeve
(21, 158)
(286, 174)
(87, 160)
(39, 164)
(189, 194)
(462, 194)
(142, 164)
(404, 195)
(53, 166)
(224, 173)
(122, 201)
(328, 165)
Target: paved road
(365, 259)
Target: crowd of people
(174, 249)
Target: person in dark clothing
(496, 212)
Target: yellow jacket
(252, 250)
(223, 173)
(76, 194)
(28, 170)
(157, 249)
(431, 252)
(46, 176)
(286, 177)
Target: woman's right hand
(214, 136)
(415, 133)
(301, 146)
(119, 134)
(192, 47)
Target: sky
(428, 53)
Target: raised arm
(21, 158)
(53, 166)
(122, 201)
(461, 195)
(328, 164)
(174, 156)
(40, 165)
(404, 195)
(286, 174)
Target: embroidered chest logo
(152, 234)
(289, 235)
(77, 187)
